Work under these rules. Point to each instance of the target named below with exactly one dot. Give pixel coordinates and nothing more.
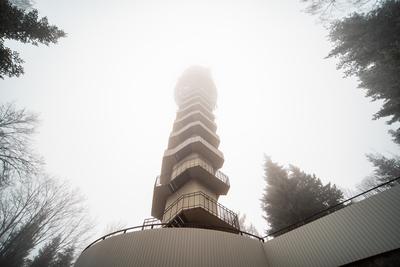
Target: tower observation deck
(187, 190)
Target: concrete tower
(187, 190)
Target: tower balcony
(192, 117)
(192, 145)
(189, 92)
(199, 209)
(217, 181)
(191, 129)
(160, 195)
(193, 107)
(194, 98)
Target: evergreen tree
(368, 47)
(22, 4)
(291, 195)
(47, 254)
(25, 27)
(385, 169)
(65, 258)
(16, 248)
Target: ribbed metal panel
(364, 229)
(175, 247)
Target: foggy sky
(105, 97)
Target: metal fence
(148, 226)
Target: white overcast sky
(105, 97)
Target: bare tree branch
(50, 206)
(16, 153)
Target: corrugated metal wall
(361, 230)
(175, 247)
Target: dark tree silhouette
(64, 258)
(291, 195)
(22, 4)
(368, 47)
(385, 169)
(47, 254)
(16, 155)
(16, 248)
(26, 27)
(367, 44)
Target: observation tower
(187, 190)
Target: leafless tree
(16, 153)
(52, 206)
(114, 226)
(246, 226)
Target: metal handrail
(151, 220)
(201, 163)
(165, 225)
(217, 209)
(124, 231)
(326, 211)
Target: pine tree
(368, 47)
(291, 195)
(385, 169)
(47, 254)
(17, 247)
(25, 27)
(65, 258)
